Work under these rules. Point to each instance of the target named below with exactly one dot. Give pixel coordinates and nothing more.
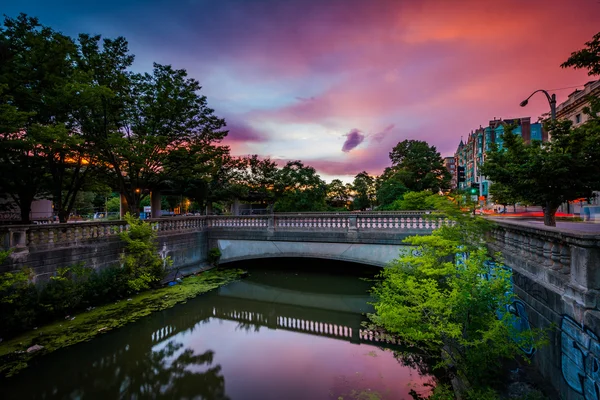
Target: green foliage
(113, 204)
(552, 173)
(390, 187)
(424, 200)
(96, 320)
(299, 188)
(419, 166)
(504, 195)
(338, 194)
(586, 58)
(364, 191)
(142, 264)
(446, 305)
(214, 255)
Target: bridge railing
(52, 235)
(555, 258)
(393, 221)
(16, 236)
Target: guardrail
(15, 236)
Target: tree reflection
(169, 373)
(161, 378)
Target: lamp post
(551, 100)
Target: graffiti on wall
(580, 358)
(520, 319)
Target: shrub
(142, 264)
(214, 255)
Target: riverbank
(18, 351)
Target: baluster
(555, 256)
(51, 236)
(565, 258)
(547, 254)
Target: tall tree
(364, 191)
(337, 194)
(552, 173)
(261, 177)
(299, 188)
(37, 64)
(390, 188)
(420, 166)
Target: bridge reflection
(334, 316)
(148, 359)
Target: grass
(85, 326)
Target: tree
(299, 188)
(504, 195)
(37, 65)
(167, 117)
(446, 305)
(337, 194)
(552, 173)
(419, 166)
(364, 191)
(390, 187)
(588, 58)
(261, 177)
(424, 200)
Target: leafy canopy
(419, 166)
(446, 305)
(552, 173)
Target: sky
(338, 83)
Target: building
(572, 108)
(450, 164)
(471, 155)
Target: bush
(24, 305)
(143, 266)
(214, 255)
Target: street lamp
(551, 100)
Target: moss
(85, 326)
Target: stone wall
(46, 248)
(556, 277)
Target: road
(583, 227)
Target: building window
(578, 119)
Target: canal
(290, 330)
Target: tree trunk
(25, 207)
(63, 216)
(550, 215)
(515, 208)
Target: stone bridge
(368, 238)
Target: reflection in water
(266, 337)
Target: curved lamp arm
(551, 100)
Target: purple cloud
(240, 132)
(379, 136)
(353, 139)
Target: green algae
(85, 326)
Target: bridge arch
(378, 255)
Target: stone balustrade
(393, 221)
(72, 234)
(567, 262)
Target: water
(291, 330)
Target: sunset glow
(337, 84)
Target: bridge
(556, 271)
(368, 238)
